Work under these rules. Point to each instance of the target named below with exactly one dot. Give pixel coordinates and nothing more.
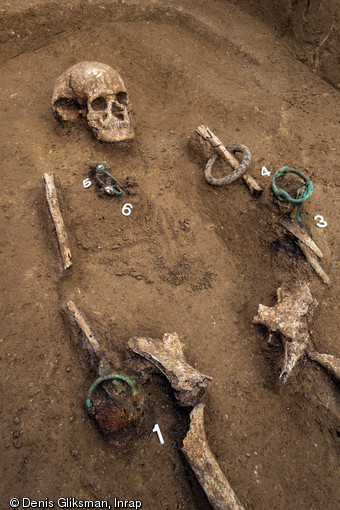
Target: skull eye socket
(64, 103)
(98, 104)
(122, 98)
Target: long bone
(167, 355)
(90, 342)
(53, 204)
(330, 363)
(209, 474)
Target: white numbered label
(87, 183)
(159, 433)
(264, 171)
(321, 223)
(126, 209)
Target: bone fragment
(81, 324)
(330, 363)
(290, 317)
(167, 355)
(209, 474)
(216, 143)
(314, 263)
(53, 204)
(300, 234)
(252, 184)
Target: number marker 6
(126, 209)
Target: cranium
(96, 91)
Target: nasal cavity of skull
(118, 111)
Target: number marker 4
(87, 183)
(321, 223)
(264, 171)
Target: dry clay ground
(190, 258)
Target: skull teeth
(121, 123)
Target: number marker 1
(159, 433)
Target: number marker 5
(87, 183)
(126, 209)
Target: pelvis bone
(167, 355)
(95, 91)
(290, 317)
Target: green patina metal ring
(104, 378)
(283, 195)
(111, 189)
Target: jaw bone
(290, 317)
(167, 355)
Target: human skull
(96, 91)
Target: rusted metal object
(167, 355)
(115, 401)
(224, 153)
(330, 363)
(290, 317)
(209, 474)
(53, 204)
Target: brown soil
(190, 258)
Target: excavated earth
(190, 258)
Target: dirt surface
(311, 28)
(191, 258)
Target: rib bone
(167, 355)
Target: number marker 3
(322, 223)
